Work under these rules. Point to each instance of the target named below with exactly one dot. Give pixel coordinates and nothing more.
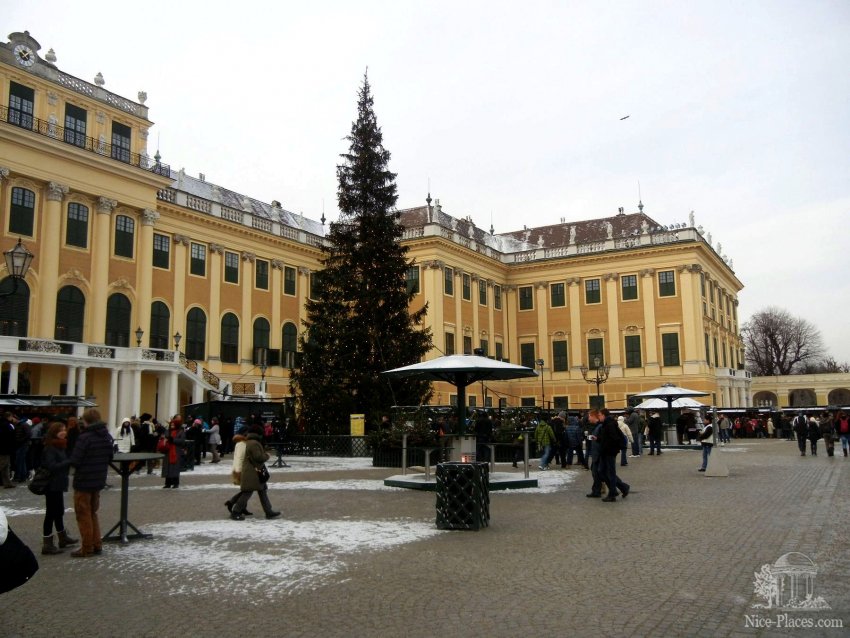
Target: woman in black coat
(55, 459)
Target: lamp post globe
(18, 260)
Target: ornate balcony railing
(99, 147)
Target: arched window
(15, 309)
(290, 344)
(70, 314)
(261, 337)
(196, 334)
(158, 337)
(118, 321)
(22, 212)
(230, 338)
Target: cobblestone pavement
(351, 558)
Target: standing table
(122, 463)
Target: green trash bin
(463, 495)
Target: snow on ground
(296, 463)
(258, 557)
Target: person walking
(724, 426)
(56, 461)
(633, 422)
(656, 429)
(801, 429)
(90, 461)
(706, 439)
(627, 440)
(827, 432)
(814, 434)
(545, 439)
(254, 463)
(574, 440)
(842, 427)
(610, 444)
(594, 425)
(236, 472)
(7, 449)
(215, 440)
(172, 445)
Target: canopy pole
(460, 382)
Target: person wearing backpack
(827, 432)
(842, 429)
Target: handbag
(39, 482)
(18, 561)
(263, 474)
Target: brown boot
(65, 540)
(80, 553)
(47, 546)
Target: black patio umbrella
(461, 370)
(669, 393)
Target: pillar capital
(105, 205)
(149, 217)
(4, 172)
(216, 249)
(56, 192)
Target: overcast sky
(739, 111)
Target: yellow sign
(358, 425)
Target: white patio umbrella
(669, 393)
(657, 404)
(460, 370)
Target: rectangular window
(289, 274)
(161, 251)
(595, 353)
(592, 292)
(500, 350)
(467, 287)
(526, 355)
(528, 402)
(670, 348)
(724, 355)
(467, 345)
(75, 125)
(633, 359)
(497, 297)
(450, 343)
(559, 356)
(412, 279)
(473, 401)
(702, 283)
(629, 287)
(21, 103)
(526, 298)
(198, 260)
(482, 292)
(449, 281)
(557, 295)
(666, 283)
(231, 267)
(77, 227)
(716, 358)
(125, 229)
(561, 403)
(22, 215)
(120, 142)
(707, 350)
(261, 274)
(313, 290)
(485, 348)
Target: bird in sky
(625, 118)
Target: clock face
(24, 55)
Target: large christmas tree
(358, 318)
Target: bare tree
(778, 344)
(826, 365)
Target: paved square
(350, 557)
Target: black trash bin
(463, 495)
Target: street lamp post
(601, 372)
(139, 334)
(177, 338)
(18, 260)
(540, 364)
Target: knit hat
(196, 422)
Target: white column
(71, 381)
(135, 392)
(13, 377)
(113, 397)
(197, 392)
(81, 386)
(172, 406)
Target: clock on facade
(24, 55)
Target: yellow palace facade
(150, 288)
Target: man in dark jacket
(610, 444)
(90, 460)
(7, 448)
(574, 439)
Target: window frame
(668, 288)
(592, 285)
(121, 144)
(448, 281)
(21, 96)
(466, 287)
(667, 351)
(261, 274)
(230, 268)
(528, 354)
(288, 290)
(562, 296)
(76, 125)
(289, 353)
(125, 238)
(560, 360)
(497, 297)
(157, 337)
(160, 253)
(593, 352)
(195, 339)
(229, 348)
(449, 342)
(624, 287)
(197, 259)
(525, 301)
(411, 280)
(633, 357)
(482, 293)
(22, 213)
